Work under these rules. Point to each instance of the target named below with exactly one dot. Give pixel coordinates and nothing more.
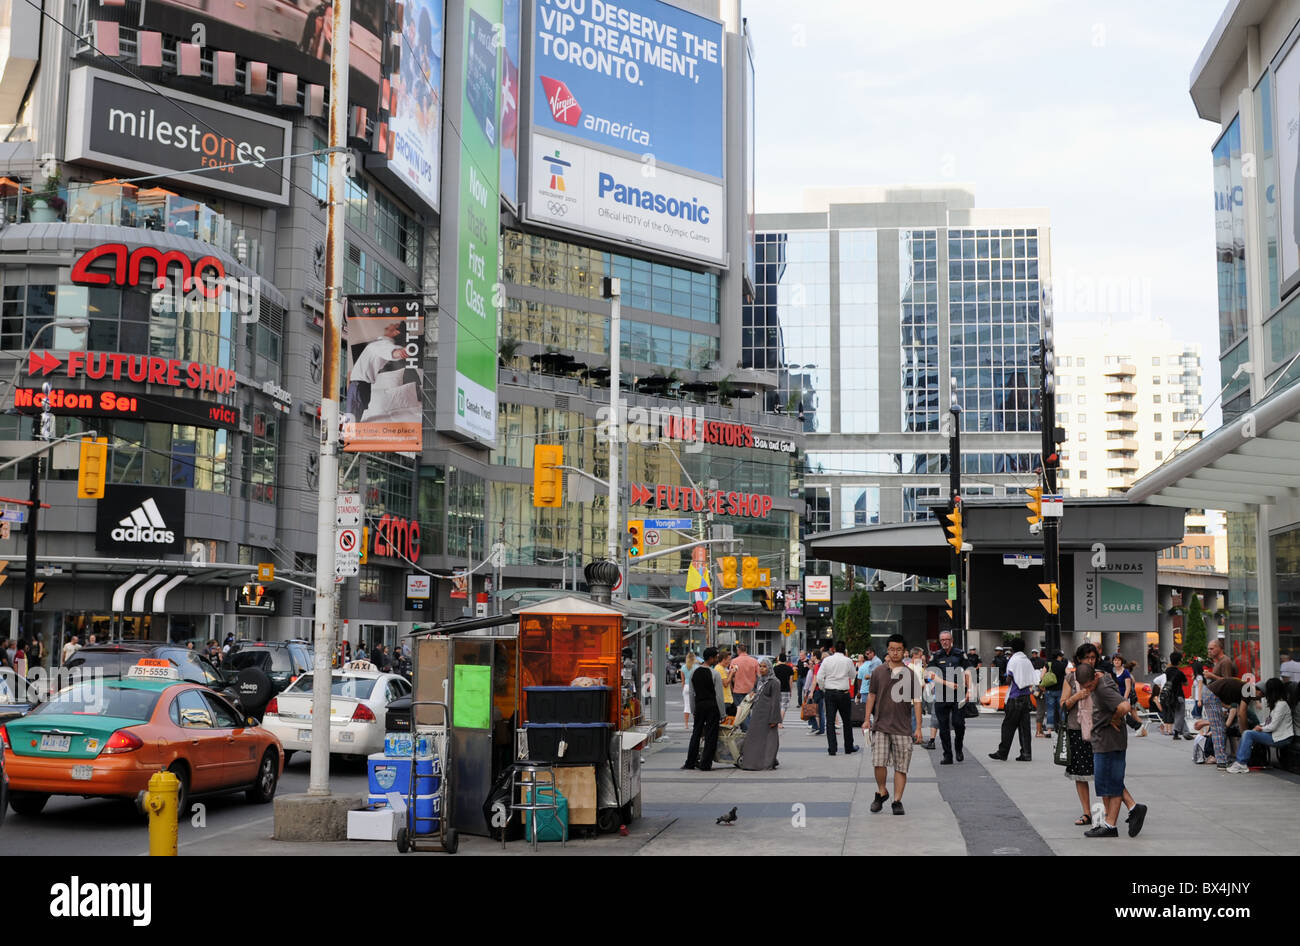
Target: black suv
(250, 688)
(282, 661)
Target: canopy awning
(1251, 462)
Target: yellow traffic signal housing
(92, 468)
(635, 537)
(3, 576)
(769, 599)
(749, 572)
(1051, 600)
(548, 482)
(954, 527)
(38, 592)
(365, 544)
(1035, 505)
(728, 563)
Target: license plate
(345, 737)
(304, 734)
(83, 772)
(55, 743)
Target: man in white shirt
(1290, 669)
(1023, 678)
(835, 676)
(71, 647)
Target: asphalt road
(71, 825)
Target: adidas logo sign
(144, 524)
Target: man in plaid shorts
(894, 703)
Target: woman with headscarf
(762, 740)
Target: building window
(1158, 418)
(1159, 435)
(1083, 436)
(1082, 418)
(1155, 360)
(1079, 363)
(1083, 474)
(1160, 455)
(1083, 456)
(261, 450)
(1083, 399)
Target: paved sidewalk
(818, 804)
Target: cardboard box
(376, 825)
(577, 783)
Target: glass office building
(871, 311)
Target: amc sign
(204, 274)
(397, 538)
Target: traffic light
(3, 576)
(548, 482)
(749, 571)
(92, 468)
(769, 599)
(1035, 505)
(38, 592)
(365, 544)
(953, 528)
(950, 608)
(635, 537)
(1051, 599)
(728, 563)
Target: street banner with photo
(416, 123)
(510, 105)
(793, 600)
(460, 584)
(385, 339)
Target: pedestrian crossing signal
(38, 592)
(950, 606)
(1051, 599)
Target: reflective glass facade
(1230, 236)
(993, 308)
(858, 352)
(918, 295)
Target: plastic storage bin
(567, 704)
(586, 743)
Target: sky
(1079, 107)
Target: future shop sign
(663, 496)
(120, 123)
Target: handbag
(857, 713)
(1049, 680)
(808, 710)
(1061, 755)
(970, 710)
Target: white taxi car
(360, 695)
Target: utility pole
(318, 783)
(612, 290)
(1051, 461)
(45, 432)
(954, 502)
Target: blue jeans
(819, 724)
(1053, 708)
(1108, 773)
(1249, 739)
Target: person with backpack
(1173, 703)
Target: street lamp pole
(45, 433)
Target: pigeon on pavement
(728, 819)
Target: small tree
(1194, 643)
(853, 622)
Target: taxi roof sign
(153, 668)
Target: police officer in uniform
(949, 688)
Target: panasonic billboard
(627, 124)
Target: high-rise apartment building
(1129, 397)
(879, 308)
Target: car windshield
(356, 688)
(95, 699)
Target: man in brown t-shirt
(893, 722)
(1212, 705)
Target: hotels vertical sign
(477, 300)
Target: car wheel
(268, 777)
(182, 773)
(28, 803)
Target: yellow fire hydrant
(161, 801)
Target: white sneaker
(1238, 769)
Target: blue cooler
(394, 775)
(427, 814)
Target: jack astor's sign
(719, 502)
